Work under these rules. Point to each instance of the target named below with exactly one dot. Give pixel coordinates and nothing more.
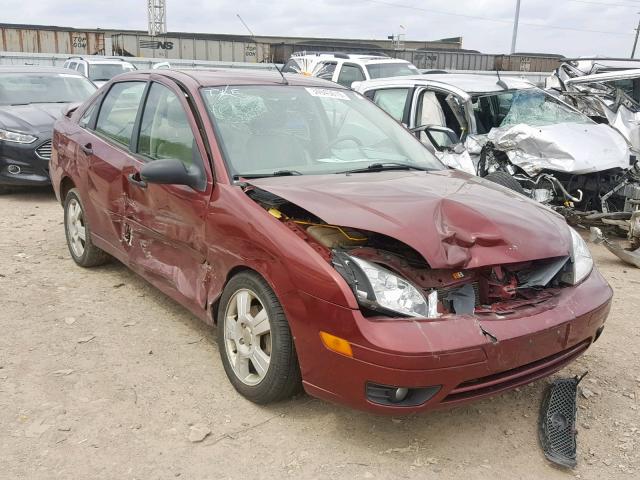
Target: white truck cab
(346, 68)
(99, 69)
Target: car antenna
(501, 82)
(284, 80)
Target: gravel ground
(103, 377)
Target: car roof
(368, 58)
(467, 82)
(237, 76)
(98, 60)
(37, 69)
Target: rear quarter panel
(63, 153)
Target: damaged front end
(390, 278)
(588, 195)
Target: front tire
(255, 342)
(78, 233)
(506, 180)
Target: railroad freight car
(192, 47)
(42, 39)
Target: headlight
(581, 258)
(15, 137)
(379, 289)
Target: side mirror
(171, 172)
(68, 111)
(442, 138)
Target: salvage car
(611, 96)
(346, 68)
(327, 245)
(31, 99)
(519, 136)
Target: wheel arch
(214, 301)
(66, 184)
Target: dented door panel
(166, 228)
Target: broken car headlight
(581, 258)
(379, 289)
(15, 137)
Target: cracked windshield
(266, 130)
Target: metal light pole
(515, 28)
(635, 42)
(157, 15)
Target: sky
(568, 27)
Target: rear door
(104, 149)
(167, 243)
(393, 99)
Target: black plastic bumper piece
(558, 422)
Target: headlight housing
(379, 289)
(15, 137)
(580, 257)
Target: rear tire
(506, 180)
(78, 233)
(255, 342)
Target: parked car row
(320, 235)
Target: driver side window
(118, 111)
(165, 132)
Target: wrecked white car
(521, 137)
(611, 96)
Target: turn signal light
(336, 344)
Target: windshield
(529, 106)
(106, 71)
(382, 70)
(305, 130)
(24, 88)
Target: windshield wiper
(278, 173)
(378, 167)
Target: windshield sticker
(327, 93)
(67, 75)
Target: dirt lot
(101, 376)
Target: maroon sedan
(328, 246)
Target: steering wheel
(346, 138)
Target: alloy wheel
(247, 336)
(75, 228)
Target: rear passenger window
(349, 74)
(392, 101)
(118, 112)
(165, 132)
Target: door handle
(134, 179)
(87, 149)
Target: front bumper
(27, 161)
(452, 353)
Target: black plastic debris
(558, 421)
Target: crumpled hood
(33, 118)
(564, 147)
(452, 219)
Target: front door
(167, 222)
(103, 144)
